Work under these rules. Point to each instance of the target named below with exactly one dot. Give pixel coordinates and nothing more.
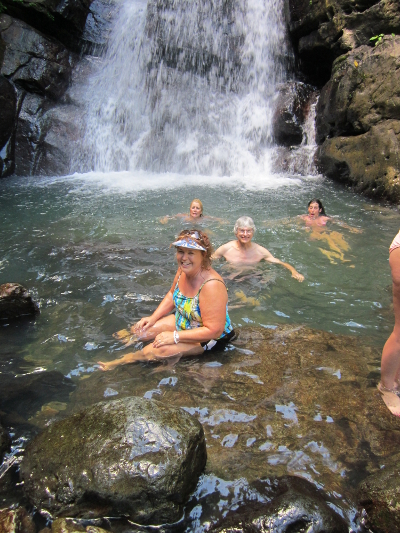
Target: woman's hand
(144, 324)
(164, 339)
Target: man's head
(244, 229)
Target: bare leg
(149, 353)
(390, 364)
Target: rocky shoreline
(284, 403)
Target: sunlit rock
(358, 123)
(296, 505)
(16, 301)
(129, 457)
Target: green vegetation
(2, 8)
(377, 38)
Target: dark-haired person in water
(390, 364)
(317, 221)
(198, 300)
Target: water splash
(187, 87)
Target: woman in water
(317, 220)
(199, 300)
(390, 364)
(195, 213)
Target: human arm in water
(267, 256)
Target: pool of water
(95, 255)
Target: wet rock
(322, 31)
(5, 443)
(98, 26)
(291, 108)
(16, 301)
(63, 525)
(379, 496)
(16, 521)
(369, 163)
(364, 90)
(358, 121)
(64, 20)
(8, 102)
(296, 506)
(130, 457)
(34, 62)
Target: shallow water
(92, 250)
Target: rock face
(358, 120)
(130, 457)
(62, 19)
(15, 301)
(324, 30)
(16, 521)
(39, 42)
(296, 506)
(379, 495)
(291, 108)
(358, 111)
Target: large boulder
(324, 30)
(63, 19)
(296, 506)
(16, 301)
(358, 120)
(33, 62)
(130, 457)
(16, 521)
(379, 497)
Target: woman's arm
(165, 308)
(346, 226)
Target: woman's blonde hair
(200, 203)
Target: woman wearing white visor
(199, 299)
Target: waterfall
(187, 86)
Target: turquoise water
(93, 252)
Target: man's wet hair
(244, 222)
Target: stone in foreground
(130, 457)
(15, 301)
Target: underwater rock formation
(131, 457)
(296, 505)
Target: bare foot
(107, 366)
(391, 399)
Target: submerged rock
(16, 301)
(129, 457)
(296, 506)
(379, 497)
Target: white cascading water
(187, 86)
